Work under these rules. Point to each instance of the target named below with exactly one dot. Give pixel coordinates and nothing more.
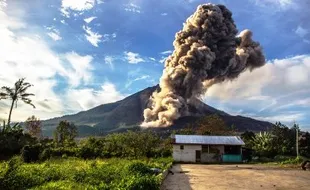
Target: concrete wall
(212, 157)
(188, 154)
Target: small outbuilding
(207, 149)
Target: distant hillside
(128, 113)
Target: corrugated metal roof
(213, 140)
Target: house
(207, 149)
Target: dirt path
(252, 177)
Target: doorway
(198, 155)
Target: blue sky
(83, 53)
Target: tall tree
(65, 132)
(213, 125)
(34, 127)
(18, 92)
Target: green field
(74, 173)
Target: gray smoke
(207, 51)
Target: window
(182, 147)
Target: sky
(82, 53)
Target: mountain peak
(128, 113)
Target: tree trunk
(9, 120)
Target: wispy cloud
(276, 4)
(109, 60)
(108, 37)
(76, 5)
(166, 52)
(303, 33)
(89, 19)
(93, 37)
(133, 58)
(130, 82)
(132, 8)
(164, 14)
(54, 34)
(81, 68)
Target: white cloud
(276, 4)
(166, 52)
(109, 60)
(63, 22)
(76, 5)
(92, 37)
(88, 20)
(89, 98)
(143, 77)
(25, 54)
(152, 58)
(133, 58)
(100, 2)
(267, 92)
(163, 59)
(108, 37)
(54, 34)
(80, 68)
(164, 14)
(300, 31)
(132, 8)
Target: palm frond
(28, 101)
(26, 95)
(8, 90)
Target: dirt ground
(252, 177)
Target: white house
(199, 148)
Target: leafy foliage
(65, 133)
(262, 143)
(208, 125)
(247, 138)
(18, 92)
(81, 174)
(12, 140)
(33, 127)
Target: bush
(73, 173)
(30, 153)
(61, 152)
(139, 168)
(140, 183)
(296, 160)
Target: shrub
(139, 168)
(30, 153)
(140, 183)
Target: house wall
(188, 154)
(212, 157)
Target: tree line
(29, 142)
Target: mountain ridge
(128, 113)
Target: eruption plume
(207, 51)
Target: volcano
(128, 114)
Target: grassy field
(74, 173)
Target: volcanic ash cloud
(206, 52)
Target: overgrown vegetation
(73, 173)
(280, 141)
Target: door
(198, 155)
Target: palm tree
(18, 92)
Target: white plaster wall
(188, 154)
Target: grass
(282, 161)
(74, 173)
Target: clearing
(262, 177)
